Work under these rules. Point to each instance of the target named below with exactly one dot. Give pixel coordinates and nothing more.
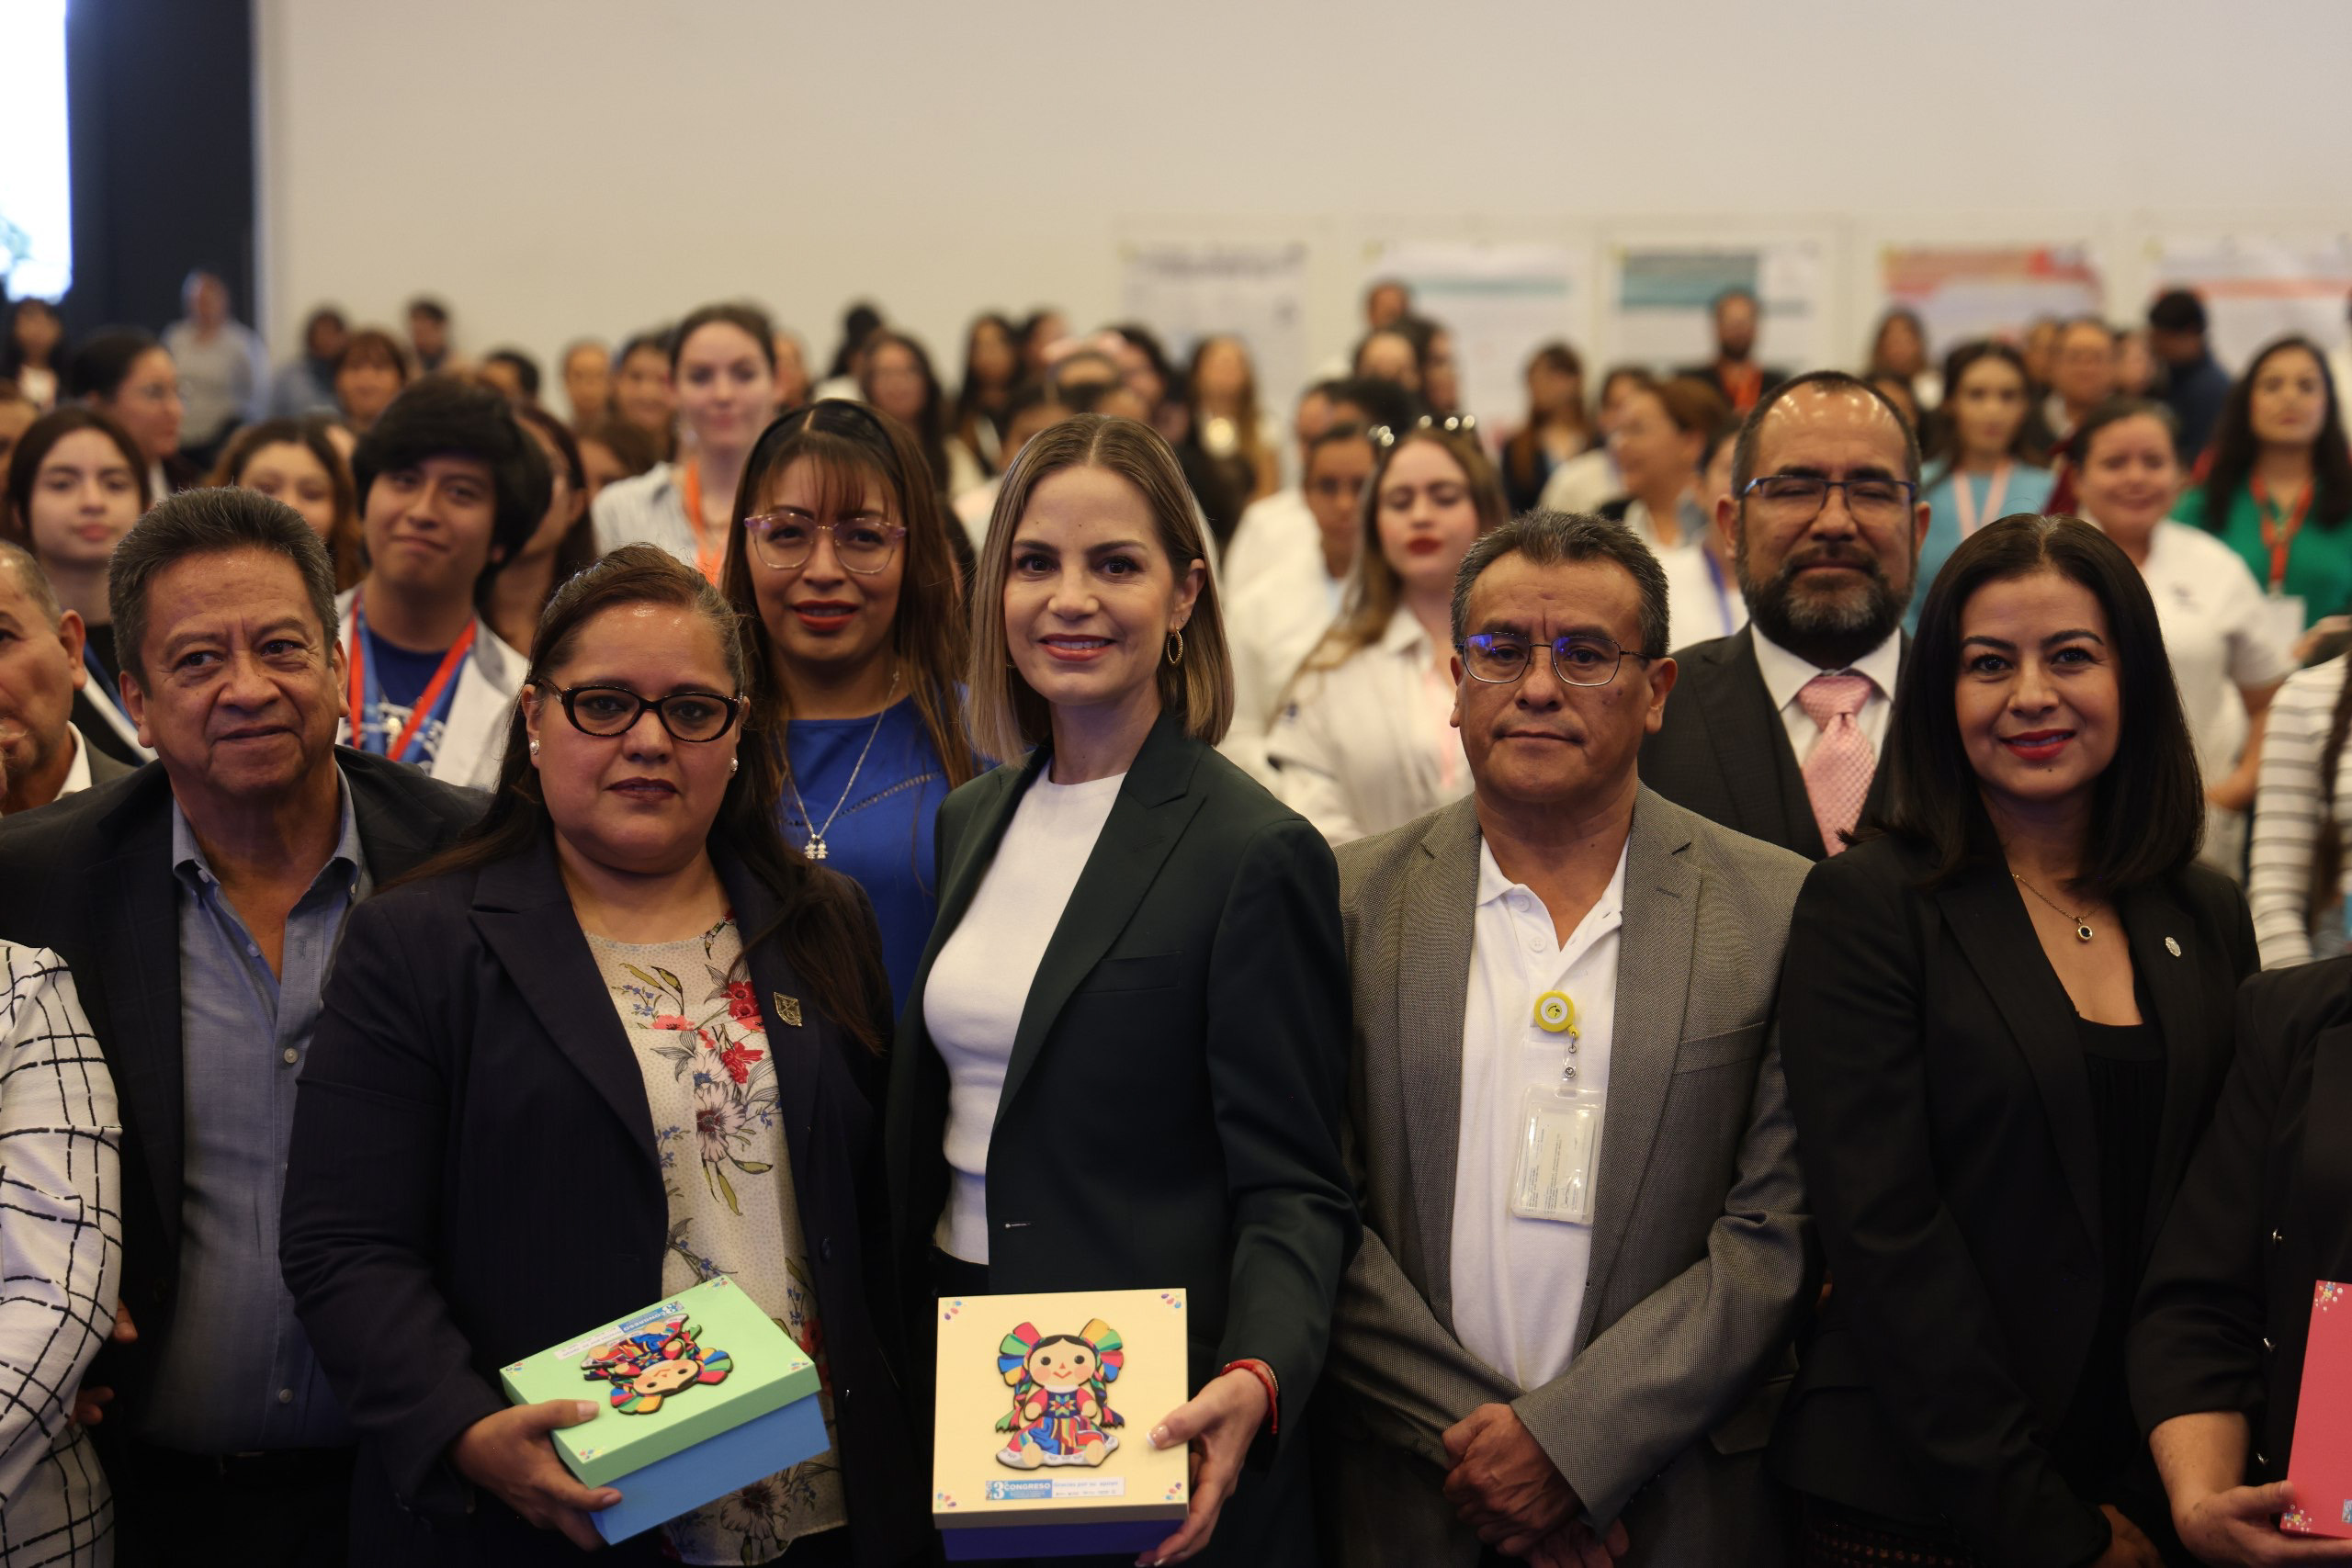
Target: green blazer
(1170, 1115)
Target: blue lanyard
(1723, 597)
(105, 684)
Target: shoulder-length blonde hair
(1008, 716)
(1375, 591)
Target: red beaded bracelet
(1264, 1374)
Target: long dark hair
(32, 450)
(1941, 436)
(343, 540)
(2148, 810)
(817, 923)
(2235, 447)
(931, 425)
(850, 442)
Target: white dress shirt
(646, 508)
(980, 981)
(1369, 745)
(1271, 623)
(77, 777)
(1519, 1283)
(1785, 675)
(2220, 639)
(1583, 483)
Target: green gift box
(697, 1397)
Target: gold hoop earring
(1176, 647)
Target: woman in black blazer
(1123, 1059)
(2004, 1019)
(2264, 1214)
(617, 1041)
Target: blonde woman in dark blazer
(1123, 1061)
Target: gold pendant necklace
(2083, 931)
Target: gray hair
(204, 523)
(33, 580)
(1550, 539)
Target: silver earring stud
(535, 748)
(733, 763)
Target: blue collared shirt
(236, 1371)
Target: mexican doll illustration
(1061, 1395)
(646, 1368)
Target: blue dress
(2028, 491)
(882, 837)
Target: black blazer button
(2263, 1460)
(825, 1249)
(2267, 1346)
(2276, 1240)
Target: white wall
(560, 167)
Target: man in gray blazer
(1585, 1255)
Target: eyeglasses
(608, 711)
(1501, 661)
(1799, 498)
(785, 540)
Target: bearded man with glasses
(1585, 1253)
(1778, 730)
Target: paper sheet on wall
(1254, 290)
(1499, 302)
(1661, 299)
(1964, 292)
(2258, 288)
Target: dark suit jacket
(1711, 373)
(91, 876)
(1945, 1125)
(474, 1178)
(2265, 1212)
(106, 767)
(1170, 1115)
(1722, 751)
(103, 738)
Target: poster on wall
(1964, 292)
(1499, 303)
(1256, 290)
(1662, 301)
(2258, 288)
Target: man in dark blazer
(197, 902)
(1557, 1387)
(43, 752)
(1827, 579)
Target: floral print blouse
(702, 1047)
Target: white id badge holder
(1559, 1144)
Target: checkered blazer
(60, 1263)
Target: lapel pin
(2172, 945)
(787, 1008)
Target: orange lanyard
(426, 704)
(1744, 383)
(707, 561)
(1964, 498)
(2280, 527)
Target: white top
(1584, 483)
(1370, 745)
(1785, 675)
(1270, 626)
(1276, 532)
(2286, 816)
(1702, 603)
(2219, 638)
(648, 508)
(974, 508)
(979, 983)
(1519, 1283)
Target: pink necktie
(1837, 771)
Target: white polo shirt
(1519, 1283)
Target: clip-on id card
(1559, 1142)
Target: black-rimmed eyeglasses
(1500, 659)
(608, 711)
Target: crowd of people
(1677, 983)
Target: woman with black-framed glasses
(618, 1041)
(841, 567)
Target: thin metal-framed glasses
(1872, 499)
(1500, 659)
(608, 711)
(784, 539)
